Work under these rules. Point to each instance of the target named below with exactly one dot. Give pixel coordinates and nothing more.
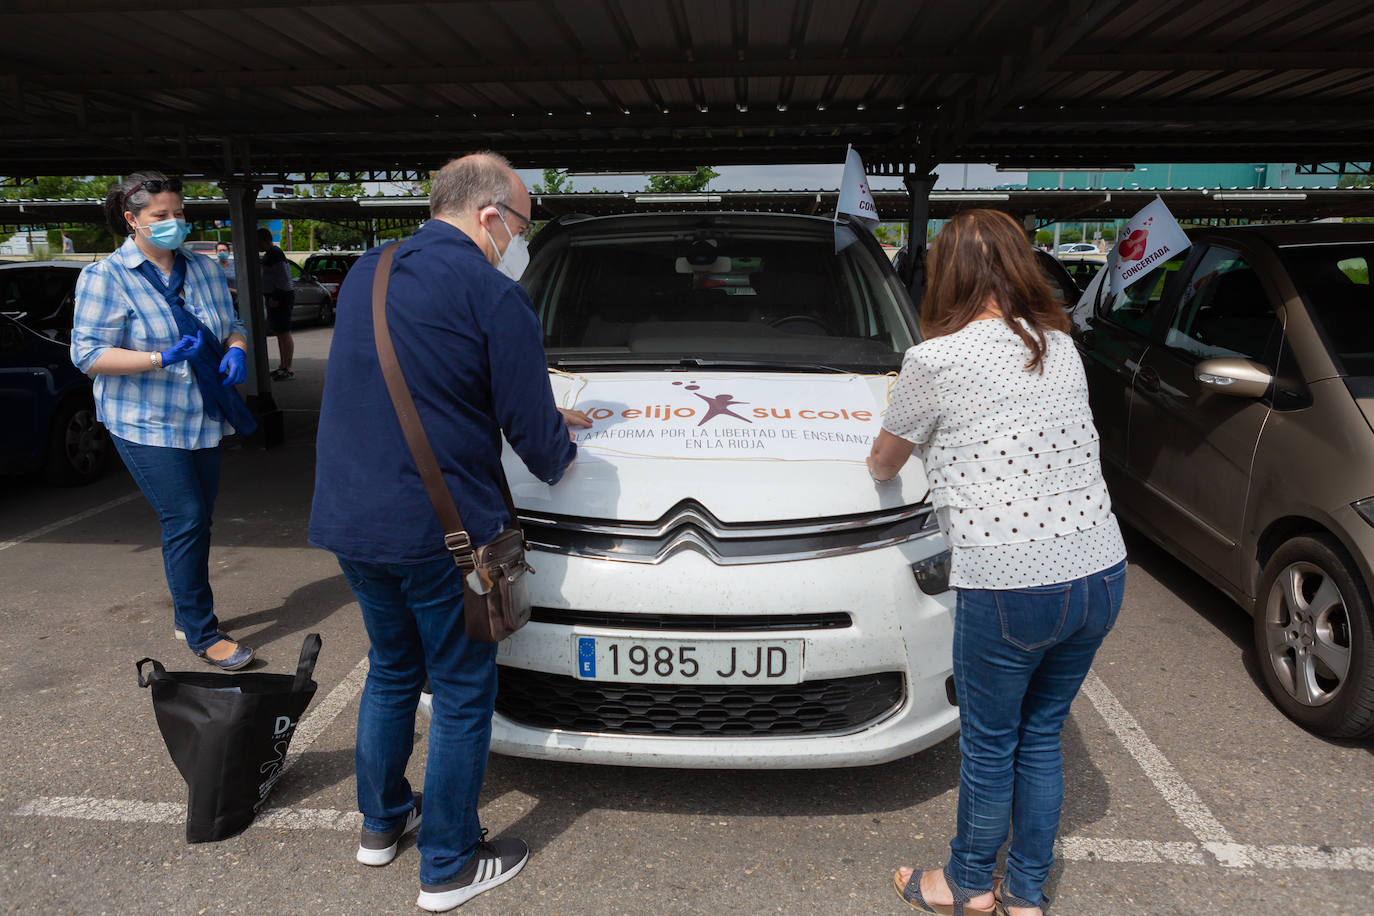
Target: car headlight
(932, 573)
(1365, 507)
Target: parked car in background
(720, 583)
(314, 303)
(1083, 266)
(1076, 248)
(41, 295)
(46, 409)
(331, 268)
(1233, 387)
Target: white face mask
(516, 257)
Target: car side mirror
(1242, 378)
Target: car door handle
(1147, 379)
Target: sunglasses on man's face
(154, 186)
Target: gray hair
(137, 202)
(471, 182)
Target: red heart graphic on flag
(1133, 246)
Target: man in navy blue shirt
(470, 346)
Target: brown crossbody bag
(496, 597)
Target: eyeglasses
(516, 213)
(153, 186)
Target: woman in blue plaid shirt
(156, 330)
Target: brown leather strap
(455, 537)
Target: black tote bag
(228, 735)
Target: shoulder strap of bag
(305, 668)
(456, 539)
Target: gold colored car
(1233, 387)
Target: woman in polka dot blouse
(996, 401)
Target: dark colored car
(46, 409)
(1233, 387)
(330, 268)
(41, 295)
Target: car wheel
(1313, 636)
(326, 315)
(78, 446)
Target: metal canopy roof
(1045, 205)
(285, 86)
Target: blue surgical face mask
(167, 233)
(222, 255)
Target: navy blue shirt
(470, 346)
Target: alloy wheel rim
(84, 441)
(1307, 629)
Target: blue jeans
(414, 620)
(1020, 656)
(181, 484)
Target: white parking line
(69, 520)
(1074, 848)
(1189, 808)
(325, 713)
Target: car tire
(1314, 635)
(326, 314)
(78, 445)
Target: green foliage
(61, 186)
(697, 181)
(888, 234)
(556, 181)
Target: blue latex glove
(184, 350)
(233, 366)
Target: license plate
(684, 661)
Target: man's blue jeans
(414, 619)
(181, 484)
(1020, 656)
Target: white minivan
(719, 581)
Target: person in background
(280, 294)
(471, 349)
(996, 399)
(68, 246)
(154, 327)
(225, 263)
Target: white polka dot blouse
(1012, 457)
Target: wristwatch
(155, 359)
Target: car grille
(690, 526)
(557, 701)
(711, 623)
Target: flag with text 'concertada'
(1147, 240)
(856, 201)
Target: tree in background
(697, 181)
(556, 181)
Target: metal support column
(914, 267)
(242, 194)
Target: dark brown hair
(983, 255)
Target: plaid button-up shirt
(117, 307)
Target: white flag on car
(1148, 239)
(856, 201)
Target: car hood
(748, 447)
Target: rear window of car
(779, 297)
(1334, 282)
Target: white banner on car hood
(735, 417)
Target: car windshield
(1334, 280)
(738, 295)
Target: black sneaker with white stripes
(492, 864)
(380, 848)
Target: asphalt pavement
(1188, 792)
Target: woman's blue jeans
(1020, 656)
(181, 484)
(414, 620)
